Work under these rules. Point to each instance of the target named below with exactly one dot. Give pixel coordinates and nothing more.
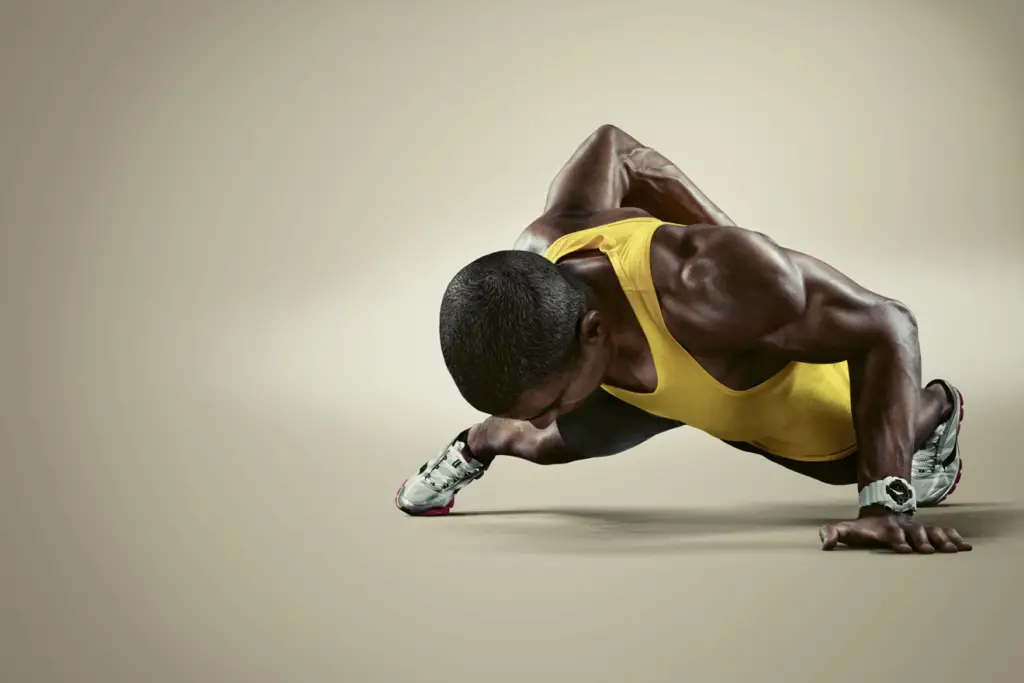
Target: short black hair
(509, 322)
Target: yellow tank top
(801, 413)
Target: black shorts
(606, 425)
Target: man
(605, 326)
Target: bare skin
(744, 307)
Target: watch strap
(893, 493)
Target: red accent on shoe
(436, 512)
(433, 512)
(956, 482)
(960, 467)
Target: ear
(592, 328)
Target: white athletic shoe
(937, 466)
(431, 491)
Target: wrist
(480, 443)
(886, 496)
(881, 511)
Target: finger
(958, 540)
(917, 536)
(832, 535)
(937, 535)
(829, 535)
(897, 540)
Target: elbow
(607, 130)
(897, 323)
(611, 136)
(899, 314)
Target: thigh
(605, 425)
(842, 472)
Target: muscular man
(634, 305)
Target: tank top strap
(610, 238)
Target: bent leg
(604, 425)
(842, 472)
(936, 461)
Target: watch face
(899, 491)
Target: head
(520, 339)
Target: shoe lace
(447, 470)
(926, 460)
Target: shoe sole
(960, 466)
(431, 512)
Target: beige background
(226, 231)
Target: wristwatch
(892, 493)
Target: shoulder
(727, 285)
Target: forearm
(659, 187)
(885, 391)
(611, 170)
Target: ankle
(943, 401)
(935, 409)
(480, 445)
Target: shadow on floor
(646, 531)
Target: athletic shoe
(937, 466)
(431, 491)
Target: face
(565, 392)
